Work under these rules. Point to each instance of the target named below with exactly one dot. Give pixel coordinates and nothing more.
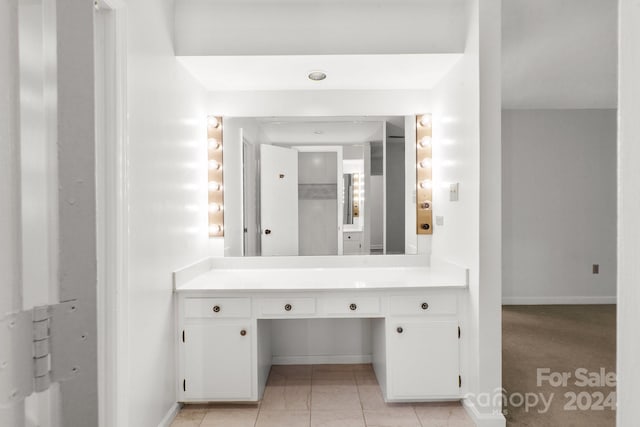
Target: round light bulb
(425, 142)
(425, 184)
(213, 121)
(426, 163)
(213, 143)
(425, 120)
(215, 207)
(215, 228)
(214, 165)
(215, 186)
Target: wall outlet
(595, 269)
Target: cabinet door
(423, 359)
(217, 361)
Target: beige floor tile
(192, 413)
(300, 371)
(435, 411)
(337, 419)
(445, 423)
(392, 417)
(335, 368)
(283, 419)
(365, 378)
(289, 396)
(231, 417)
(332, 397)
(371, 397)
(185, 423)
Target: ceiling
(355, 72)
(559, 54)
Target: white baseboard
(557, 300)
(321, 360)
(481, 419)
(171, 415)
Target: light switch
(453, 192)
(439, 220)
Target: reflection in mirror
(319, 186)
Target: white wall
(628, 213)
(265, 28)
(466, 150)
(559, 54)
(167, 204)
(559, 205)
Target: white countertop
(330, 278)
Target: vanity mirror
(320, 185)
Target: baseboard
(481, 419)
(322, 360)
(558, 300)
(171, 415)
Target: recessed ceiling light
(316, 76)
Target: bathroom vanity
(225, 308)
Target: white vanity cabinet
(218, 360)
(224, 327)
(422, 359)
(216, 349)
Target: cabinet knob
(424, 305)
(287, 307)
(243, 332)
(399, 329)
(216, 308)
(353, 307)
(425, 226)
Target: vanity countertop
(438, 275)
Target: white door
(279, 200)
(423, 359)
(217, 361)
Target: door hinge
(41, 346)
(459, 381)
(184, 385)
(183, 336)
(458, 331)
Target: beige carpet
(563, 339)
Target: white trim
(170, 416)
(113, 229)
(322, 359)
(566, 300)
(481, 419)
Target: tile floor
(323, 396)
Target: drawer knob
(424, 305)
(243, 332)
(287, 307)
(216, 309)
(353, 307)
(399, 329)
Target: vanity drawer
(217, 307)
(355, 306)
(423, 305)
(287, 306)
(352, 235)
